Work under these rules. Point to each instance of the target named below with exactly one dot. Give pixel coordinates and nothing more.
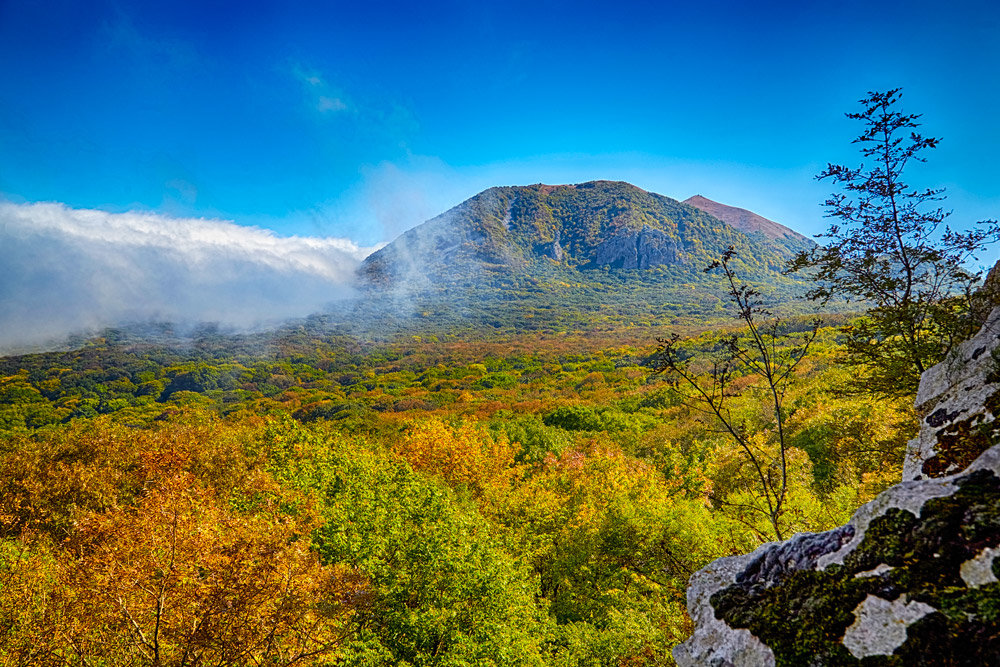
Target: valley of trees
(539, 499)
(433, 497)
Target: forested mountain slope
(599, 224)
(544, 256)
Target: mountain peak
(535, 230)
(744, 220)
(600, 185)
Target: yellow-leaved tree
(463, 455)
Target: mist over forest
(76, 271)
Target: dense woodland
(531, 499)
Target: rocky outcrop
(551, 250)
(638, 249)
(987, 297)
(912, 579)
(959, 399)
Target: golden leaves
(461, 455)
(172, 572)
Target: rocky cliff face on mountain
(600, 224)
(912, 579)
(639, 249)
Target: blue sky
(361, 119)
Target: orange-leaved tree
(180, 576)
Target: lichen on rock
(805, 616)
(959, 399)
(879, 626)
(979, 570)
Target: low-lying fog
(65, 271)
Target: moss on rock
(804, 616)
(962, 442)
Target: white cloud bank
(65, 270)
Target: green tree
(442, 589)
(891, 251)
(613, 544)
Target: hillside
(600, 250)
(599, 224)
(546, 495)
(749, 222)
(544, 492)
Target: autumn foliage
(171, 573)
(532, 501)
(465, 455)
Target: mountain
(568, 257)
(540, 229)
(744, 220)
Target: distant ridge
(744, 220)
(570, 257)
(537, 229)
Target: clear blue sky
(360, 119)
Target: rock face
(640, 249)
(912, 579)
(959, 399)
